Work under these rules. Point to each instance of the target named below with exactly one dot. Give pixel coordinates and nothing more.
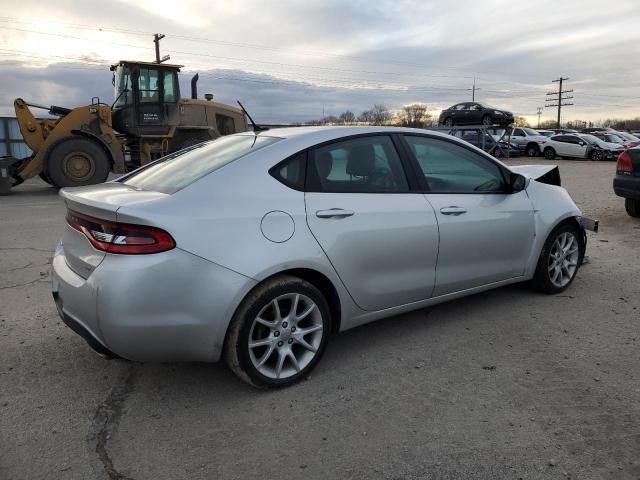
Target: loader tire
(45, 178)
(75, 161)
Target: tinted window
(291, 172)
(176, 171)
(518, 133)
(225, 124)
(460, 106)
(451, 168)
(364, 165)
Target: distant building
(11, 141)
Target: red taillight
(624, 164)
(121, 238)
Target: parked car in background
(601, 150)
(497, 148)
(528, 141)
(612, 137)
(564, 130)
(473, 113)
(256, 247)
(567, 145)
(596, 129)
(546, 133)
(630, 139)
(626, 183)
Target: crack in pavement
(43, 280)
(107, 419)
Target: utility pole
(473, 90)
(539, 113)
(156, 39)
(561, 99)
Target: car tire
(559, 260)
(487, 121)
(597, 155)
(448, 122)
(632, 206)
(533, 150)
(265, 345)
(549, 153)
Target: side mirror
(517, 182)
(582, 144)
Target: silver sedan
(255, 248)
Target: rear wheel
(278, 333)
(487, 120)
(448, 122)
(559, 260)
(597, 155)
(533, 150)
(75, 161)
(632, 206)
(549, 153)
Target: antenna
(256, 128)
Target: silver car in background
(256, 247)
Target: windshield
(613, 138)
(174, 172)
(590, 139)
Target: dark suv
(473, 113)
(626, 183)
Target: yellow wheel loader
(147, 120)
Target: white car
(569, 145)
(529, 141)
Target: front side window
(518, 133)
(451, 168)
(361, 165)
(122, 81)
(174, 172)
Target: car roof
(318, 134)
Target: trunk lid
(102, 202)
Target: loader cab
(146, 97)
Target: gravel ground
(505, 384)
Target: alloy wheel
(285, 336)
(563, 259)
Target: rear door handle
(334, 212)
(452, 210)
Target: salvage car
(528, 141)
(626, 183)
(490, 144)
(601, 150)
(473, 113)
(256, 247)
(567, 145)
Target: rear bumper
(627, 186)
(170, 306)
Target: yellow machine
(147, 120)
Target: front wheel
(448, 122)
(632, 206)
(487, 121)
(549, 153)
(278, 333)
(75, 161)
(559, 260)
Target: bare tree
(520, 122)
(366, 116)
(380, 114)
(415, 115)
(347, 117)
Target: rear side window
(361, 165)
(174, 172)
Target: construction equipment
(147, 120)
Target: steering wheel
(381, 177)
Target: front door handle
(334, 212)
(453, 210)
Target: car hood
(611, 145)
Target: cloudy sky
(290, 61)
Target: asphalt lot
(506, 384)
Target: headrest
(361, 161)
(324, 164)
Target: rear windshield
(174, 172)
